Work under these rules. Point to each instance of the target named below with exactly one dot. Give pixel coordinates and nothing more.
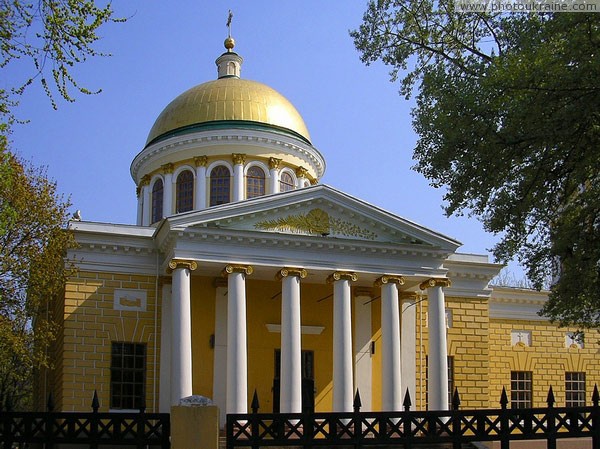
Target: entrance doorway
(308, 381)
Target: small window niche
(574, 340)
(520, 338)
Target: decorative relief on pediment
(318, 222)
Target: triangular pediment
(314, 211)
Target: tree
(508, 117)
(33, 242)
(55, 36)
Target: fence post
(255, 405)
(48, 425)
(94, 422)
(551, 420)
(357, 421)
(504, 429)
(407, 420)
(456, 431)
(596, 417)
(140, 425)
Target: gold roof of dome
(228, 99)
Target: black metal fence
(406, 428)
(92, 429)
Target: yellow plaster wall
(203, 326)
(467, 343)
(90, 325)
(547, 358)
(263, 306)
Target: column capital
(238, 158)
(201, 161)
(274, 163)
(145, 180)
(231, 268)
(288, 271)
(182, 263)
(167, 168)
(389, 279)
(435, 282)
(302, 172)
(342, 275)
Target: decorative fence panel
(406, 428)
(91, 429)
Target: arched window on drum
(157, 200)
(255, 182)
(219, 185)
(286, 182)
(185, 191)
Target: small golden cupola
(223, 141)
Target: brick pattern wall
(91, 323)
(547, 358)
(467, 343)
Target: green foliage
(55, 36)
(508, 118)
(33, 242)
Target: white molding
(307, 330)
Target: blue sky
(354, 113)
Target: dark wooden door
(308, 381)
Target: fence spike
(455, 400)
(357, 402)
(595, 396)
(50, 403)
(143, 404)
(550, 399)
(255, 404)
(95, 402)
(407, 402)
(503, 398)
(8, 403)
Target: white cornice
(175, 148)
(517, 303)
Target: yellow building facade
(243, 273)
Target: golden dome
(229, 99)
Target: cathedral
(244, 273)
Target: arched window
(185, 191)
(219, 185)
(286, 182)
(255, 182)
(157, 200)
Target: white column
(362, 346)
(391, 399)
(147, 205)
(140, 206)
(301, 176)
(342, 341)
(181, 330)
(291, 347)
(237, 349)
(408, 346)
(164, 398)
(168, 190)
(200, 194)
(220, 350)
(238, 176)
(274, 165)
(437, 366)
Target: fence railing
(94, 429)
(405, 428)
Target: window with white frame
(521, 389)
(574, 389)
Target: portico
(339, 293)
